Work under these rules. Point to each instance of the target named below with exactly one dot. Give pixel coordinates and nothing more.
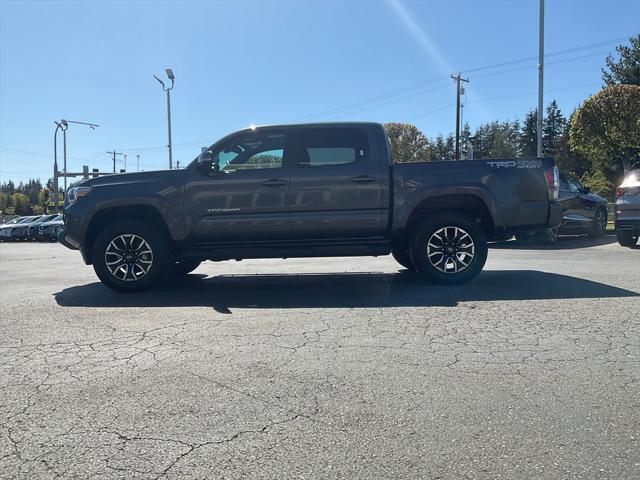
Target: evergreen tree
(529, 135)
(554, 128)
(626, 70)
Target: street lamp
(168, 90)
(64, 125)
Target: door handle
(363, 179)
(274, 182)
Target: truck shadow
(563, 243)
(340, 290)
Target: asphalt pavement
(324, 368)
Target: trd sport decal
(515, 164)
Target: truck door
(336, 183)
(242, 194)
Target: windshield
(27, 219)
(45, 218)
(14, 220)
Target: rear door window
(331, 146)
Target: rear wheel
(449, 248)
(130, 255)
(599, 224)
(626, 238)
(183, 267)
(402, 256)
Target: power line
(396, 92)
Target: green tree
(606, 128)
(21, 203)
(8, 187)
(625, 70)
(407, 143)
(4, 201)
(553, 129)
(598, 182)
(529, 135)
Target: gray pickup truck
(306, 191)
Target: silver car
(49, 230)
(627, 212)
(5, 228)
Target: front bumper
(62, 238)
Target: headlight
(76, 193)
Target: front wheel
(626, 238)
(449, 248)
(130, 255)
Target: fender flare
(482, 194)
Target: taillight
(619, 192)
(552, 177)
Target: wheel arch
(469, 203)
(109, 215)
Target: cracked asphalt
(324, 368)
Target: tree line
(26, 198)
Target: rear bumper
(628, 225)
(555, 215)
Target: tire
(626, 238)
(403, 257)
(143, 242)
(548, 236)
(599, 224)
(465, 244)
(183, 267)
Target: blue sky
(238, 63)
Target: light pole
(540, 78)
(168, 90)
(64, 125)
(56, 195)
(138, 158)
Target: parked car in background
(583, 212)
(32, 229)
(14, 231)
(5, 228)
(627, 210)
(49, 230)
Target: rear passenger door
(336, 184)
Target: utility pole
(540, 77)
(168, 91)
(178, 165)
(113, 156)
(138, 164)
(458, 79)
(125, 162)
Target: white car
(5, 228)
(627, 213)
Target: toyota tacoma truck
(318, 190)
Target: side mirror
(207, 164)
